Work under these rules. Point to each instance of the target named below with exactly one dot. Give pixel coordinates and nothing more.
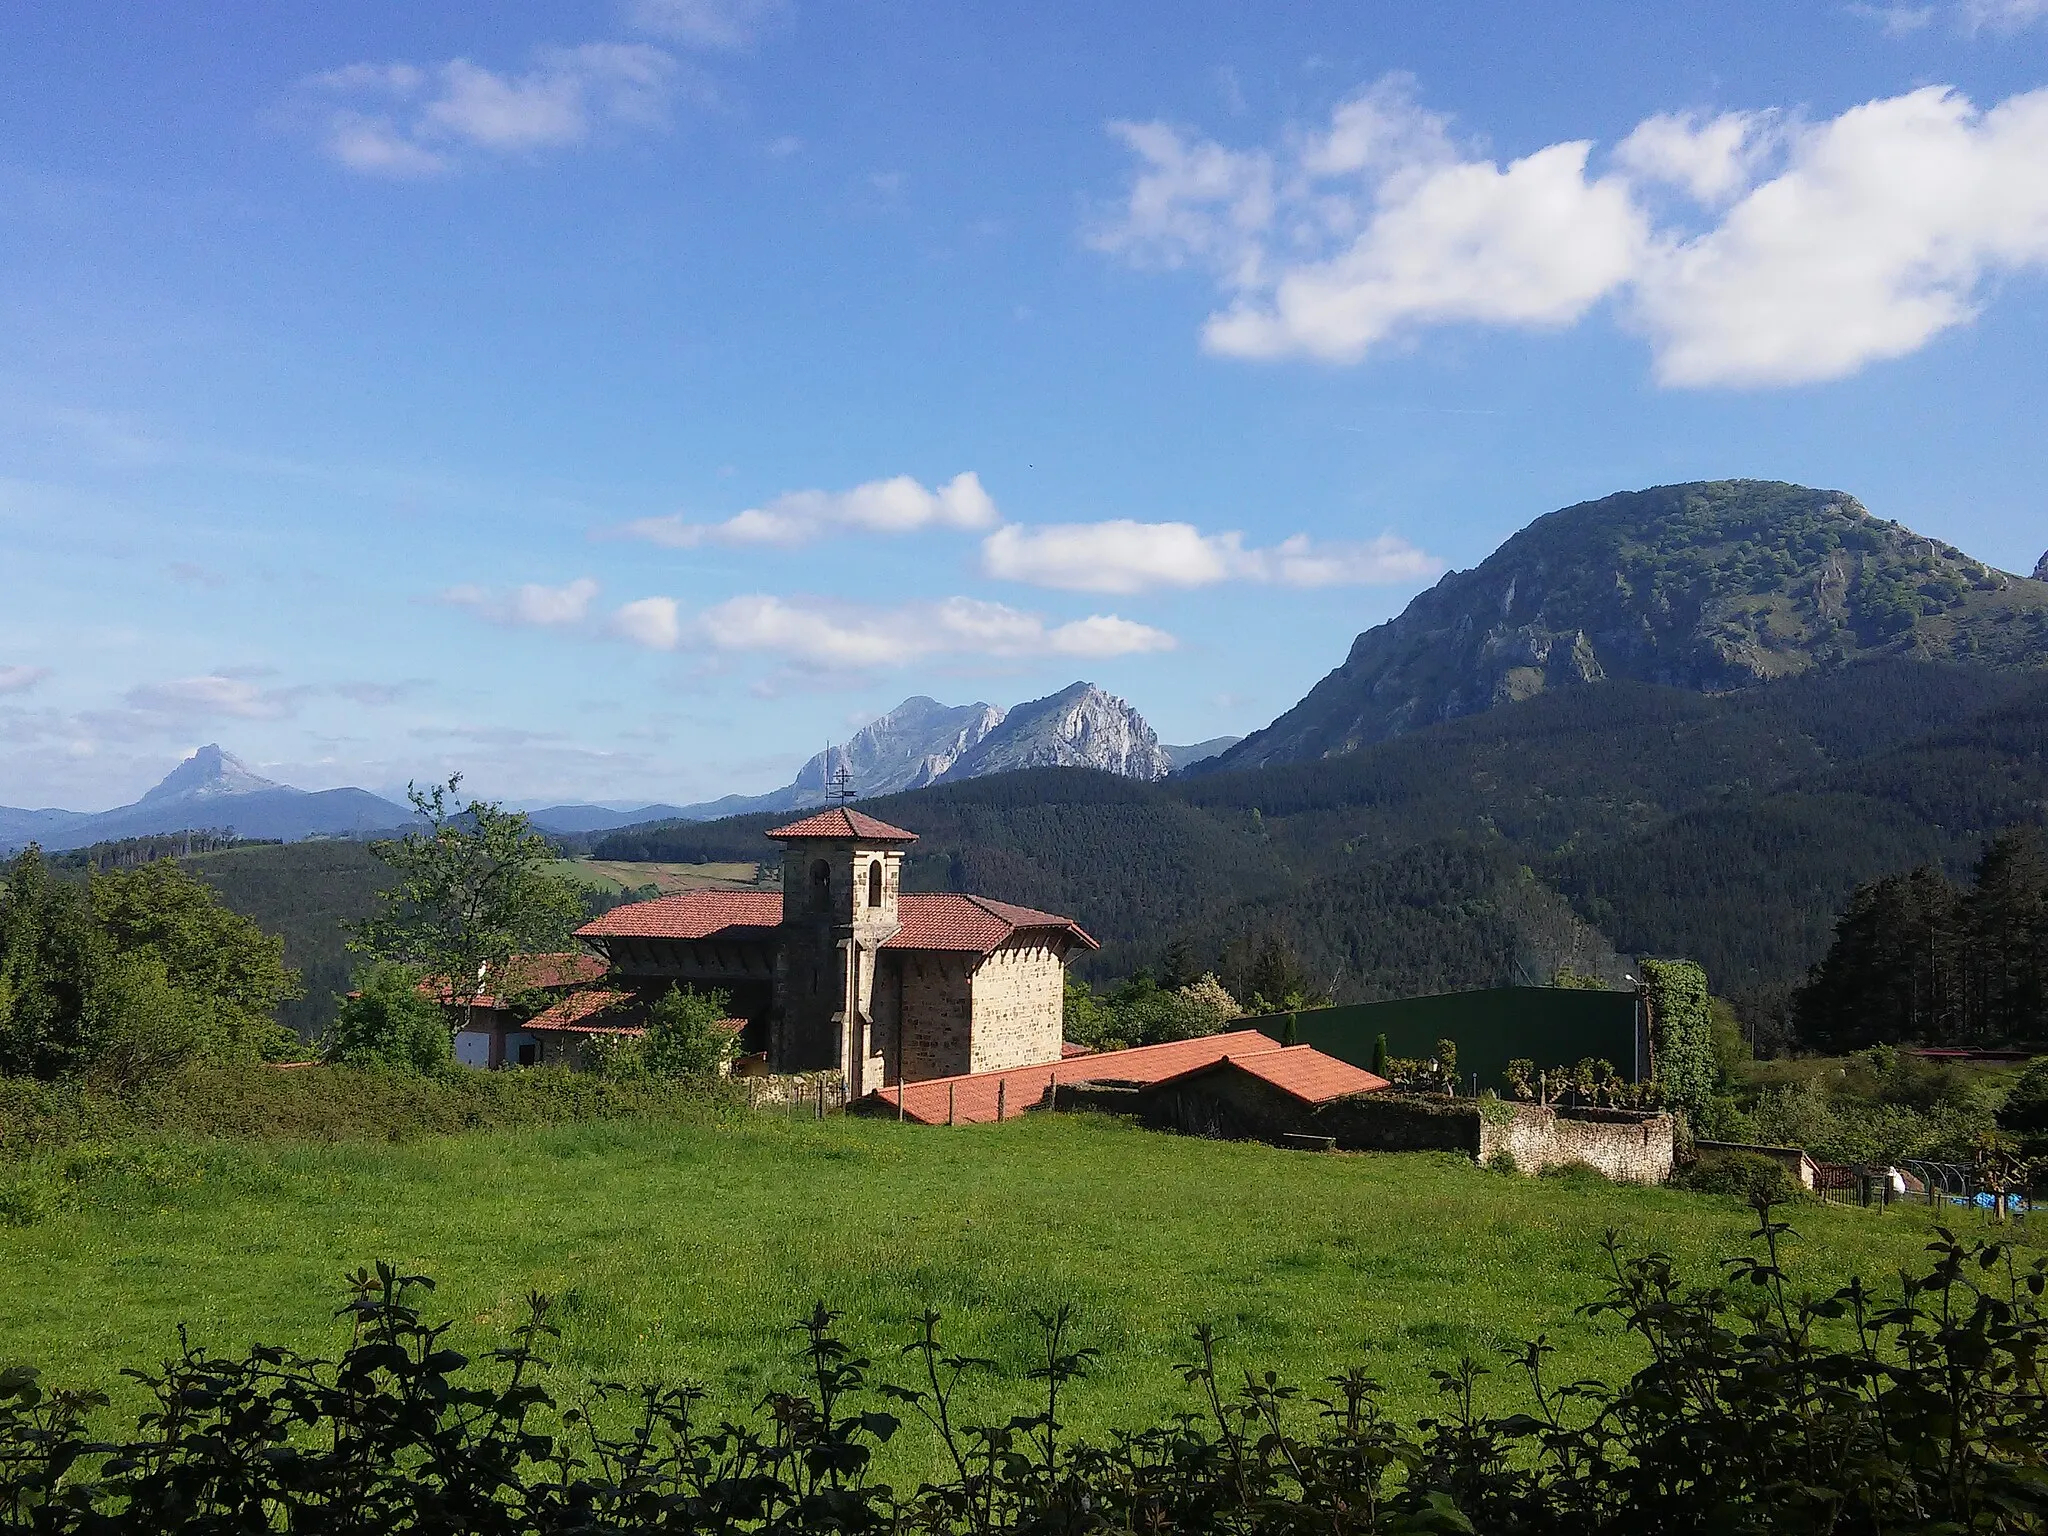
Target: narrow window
(821, 885)
(875, 883)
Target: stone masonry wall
(1630, 1148)
(937, 1013)
(1019, 1007)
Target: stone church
(842, 969)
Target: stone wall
(1628, 1147)
(937, 1012)
(1389, 1122)
(1019, 1003)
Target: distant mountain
(923, 742)
(915, 744)
(2041, 569)
(211, 788)
(1709, 587)
(1078, 727)
(598, 818)
(1198, 752)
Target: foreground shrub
(1758, 1411)
(1746, 1175)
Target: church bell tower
(841, 876)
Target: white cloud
(708, 23)
(2002, 15)
(649, 622)
(1712, 160)
(1895, 20)
(405, 120)
(19, 678)
(1880, 231)
(214, 695)
(898, 505)
(532, 604)
(848, 637)
(1126, 556)
(1796, 252)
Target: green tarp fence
(1551, 1026)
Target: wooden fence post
(1001, 1084)
(949, 1102)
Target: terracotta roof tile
(974, 924)
(523, 973)
(931, 919)
(1300, 1071)
(577, 1010)
(843, 822)
(691, 915)
(973, 1097)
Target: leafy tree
(473, 889)
(388, 1022)
(52, 957)
(1681, 1033)
(2024, 1115)
(207, 952)
(690, 1034)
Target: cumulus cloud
(1749, 248)
(894, 506)
(19, 678)
(214, 695)
(407, 120)
(849, 637)
(1126, 556)
(532, 604)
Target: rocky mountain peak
(1081, 726)
(2041, 569)
(206, 774)
(915, 744)
(1711, 586)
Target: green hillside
(304, 891)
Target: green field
(612, 875)
(684, 1249)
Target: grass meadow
(683, 1249)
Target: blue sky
(619, 400)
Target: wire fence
(1915, 1181)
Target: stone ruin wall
(1628, 1148)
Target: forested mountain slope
(1710, 586)
(1730, 827)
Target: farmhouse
(843, 970)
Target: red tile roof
(691, 915)
(931, 920)
(1300, 1071)
(577, 1009)
(843, 823)
(973, 1097)
(973, 924)
(522, 973)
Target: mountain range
(210, 789)
(1682, 721)
(922, 742)
(919, 742)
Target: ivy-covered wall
(1681, 1032)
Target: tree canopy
(474, 888)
